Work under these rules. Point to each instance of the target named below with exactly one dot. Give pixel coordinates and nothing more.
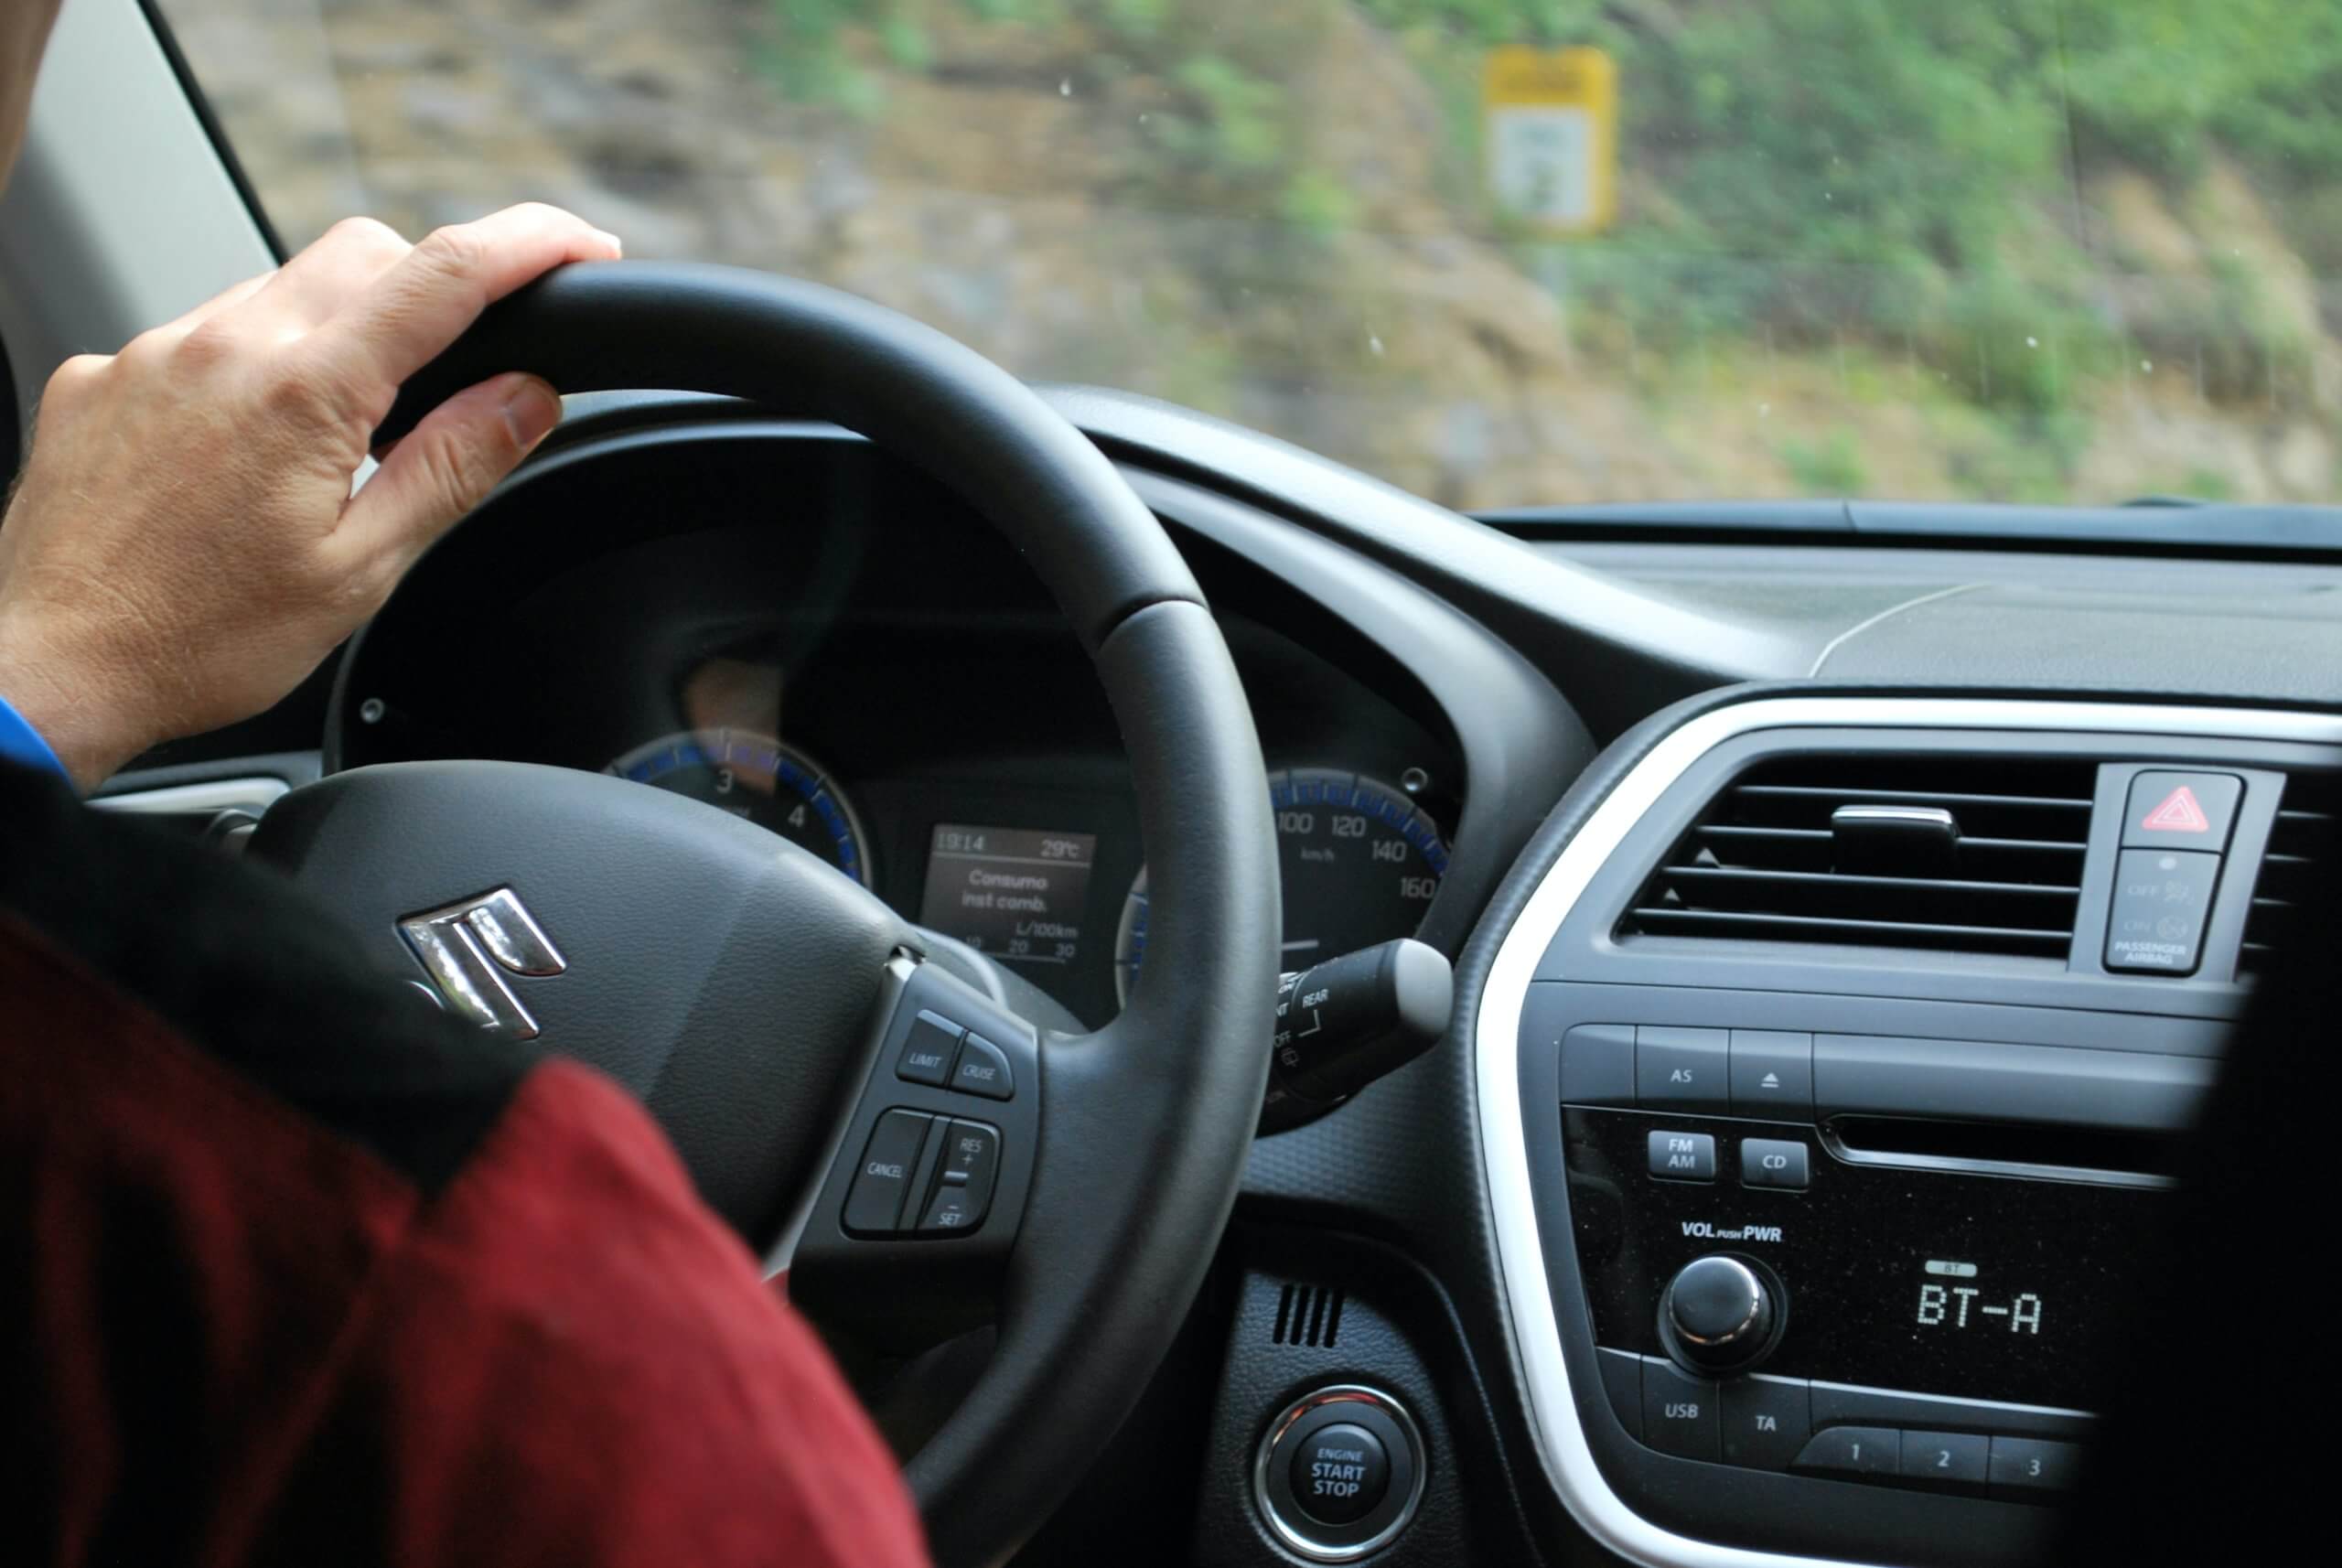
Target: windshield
(1499, 252)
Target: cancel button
(1340, 1473)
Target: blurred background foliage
(2049, 250)
(1895, 170)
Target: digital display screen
(1016, 894)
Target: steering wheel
(819, 1076)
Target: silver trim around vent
(1561, 1442)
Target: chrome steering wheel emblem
(470, 946)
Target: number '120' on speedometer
(1359, 863)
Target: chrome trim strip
(255, 795)
(1561, 1442)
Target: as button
(1682, 1069)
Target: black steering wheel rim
(1146, 1121)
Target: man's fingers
(445, 467)
(226, 299)
(344, 262)
(426, 298)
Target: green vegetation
(1919, 178)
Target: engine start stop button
(1339, 1474)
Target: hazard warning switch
(2181, 811)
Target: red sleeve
(230, 1335)
(574, 1362)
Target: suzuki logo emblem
(470, 947)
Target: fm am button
(2181, 811)
(1683, 1156)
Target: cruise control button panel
(932, 1172)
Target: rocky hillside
(1058, 200)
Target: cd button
(1773, 1162)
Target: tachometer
(756, 776)
(1359, 863)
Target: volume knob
(1718, 1314)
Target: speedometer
(756, 776)
(1360, 862)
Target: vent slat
(1726, 830)
(2050, 942)
(1922, 797)
(1765, 861)
(1833, 879)
(2306, 815)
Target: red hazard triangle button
(2182, 810)
(2179, 813)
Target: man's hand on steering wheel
(184, 548)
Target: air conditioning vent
(1308, 1315)
(2307, 815)
(1963, 854)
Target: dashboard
(867, 671)
(1845, 940)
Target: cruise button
(982, 1069)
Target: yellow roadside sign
(1549, 121)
